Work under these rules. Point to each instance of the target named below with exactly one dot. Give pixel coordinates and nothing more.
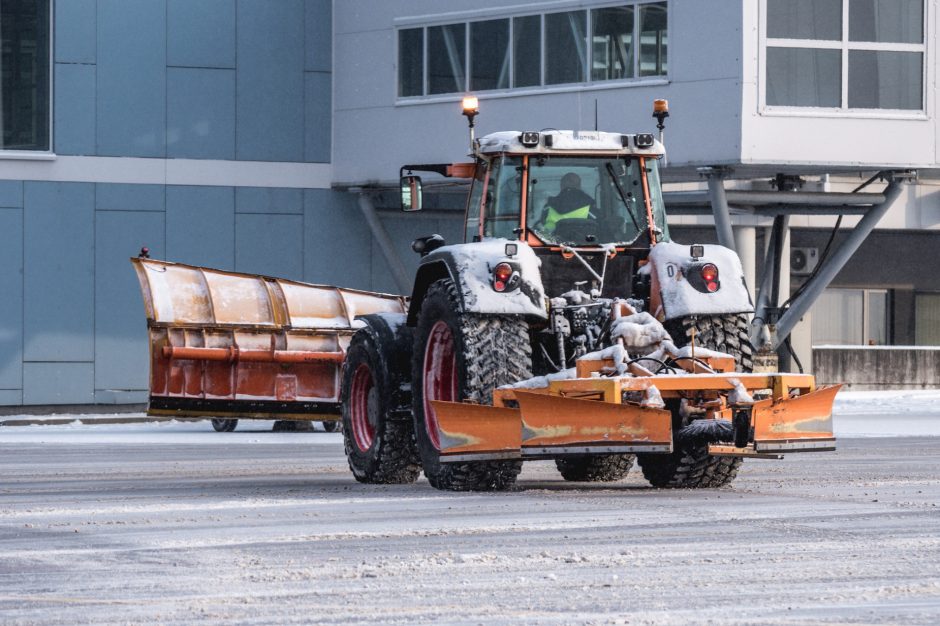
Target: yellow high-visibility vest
(553, 217)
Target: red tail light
(710, 276)
(502, 273)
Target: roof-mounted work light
(471, 108)
(661, 112)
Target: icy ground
(174, 523)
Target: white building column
(745, 240)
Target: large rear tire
(595, 467)
(378, 434)
(690, 465)
(463, 357)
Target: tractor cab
(567, 188)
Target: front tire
(378, 435)
(592, 468)
(224, 425)
(463, 357)
(690, 465)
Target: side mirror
(411, 193)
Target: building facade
(263, 136)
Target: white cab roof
(568, 142)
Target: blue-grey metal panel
(75, 26)
(121, 348)
(132, 78)
(120, 396)
(270, 100)
(269, 200)
(200, 113)
(317, 126)
(11, 397)
(11, 298)
(335, 240)
(402, 229)
(75, 109)
(59, 253)
(201, 34)
(11, 194)
(319, 38)
(200, 226)
(269, 244)
(58, 383)
(127, 197)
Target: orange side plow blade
(558, 425)
(796, 424)
(477, 432)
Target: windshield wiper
(623, 196)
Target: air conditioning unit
(803, 260)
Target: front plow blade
(558, 425)
(477, 432)
(799, 424)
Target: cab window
(473, 203)
(504, 199)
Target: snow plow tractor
(568, 326)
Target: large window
(927, 319)
(24, 66)
(622, 42)
(851, 317)
(845, 54)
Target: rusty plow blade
(800, 424)
(549, 425)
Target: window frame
(845, 46)
(49, 153)
(509, 13)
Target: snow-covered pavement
(174, 523)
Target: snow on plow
(240, 345)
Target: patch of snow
(680, 299)
(540, 382)
(639, 331)
(740, 394)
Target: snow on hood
(681, 299)
(475, 263)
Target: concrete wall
(375, 132)
(861, 368)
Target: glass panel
(503, 199)
(447, 58)
(565, 47)
(877, 321)
(927, 319)
(410, 62)
(656, 199)
(804, 19)
(473, 204)
(24, 32)
(837, 318)
(527, 51)
(612, 43)
(805, 77)
(583, 200)
(880, 79)
(894, 21)
(489, 55)
(653, 39)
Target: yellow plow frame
(596, 414)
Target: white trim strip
(142, 171)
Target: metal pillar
(719, 202)
(399, 272)
(745, 238)
(834, 264)
(768, 296)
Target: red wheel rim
(363, 400)
(440, 376)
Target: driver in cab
(570, 203)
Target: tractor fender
(470, 266)
(393, 341)
(674, 292)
